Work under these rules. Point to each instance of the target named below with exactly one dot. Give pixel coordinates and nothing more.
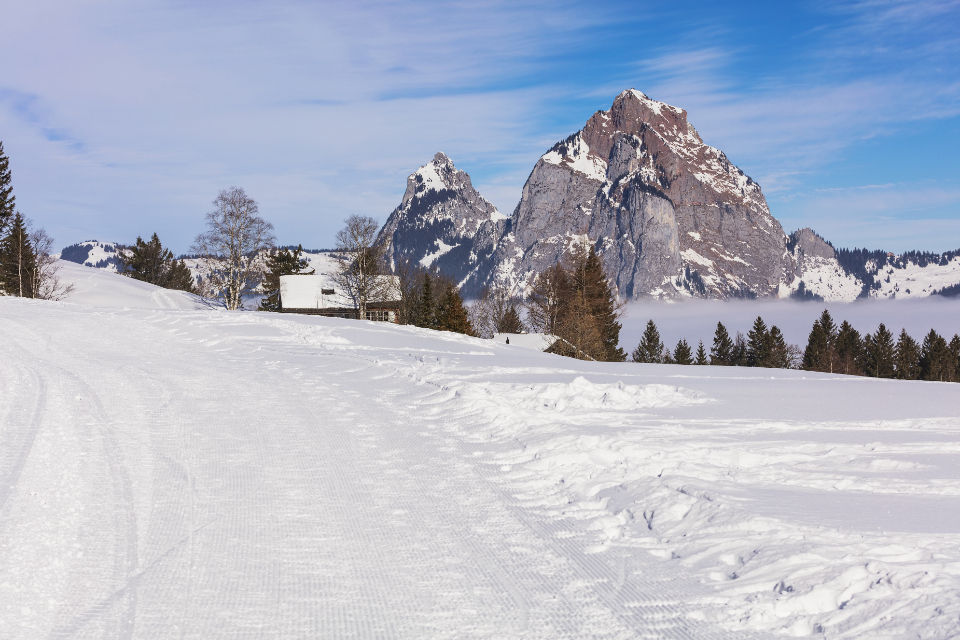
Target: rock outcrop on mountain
(437, 222)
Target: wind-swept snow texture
(205, 474)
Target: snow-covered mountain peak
(438, 218)
(437, 175)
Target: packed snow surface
(203, 473)
(104, 288)
(536, 341)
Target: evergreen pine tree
(936, 362)
(147, 261)
(451, 314)
(758, 345)
(180, 278)
(281, 262)
(426, 310)
(681, 354)
(826, 321)
(849, 349)
(779, 356)
(510, 322)
(816, 356)
(721, 353)
(739, 353)
(650, 348)
(879, 353)
(18, 263)
(590, 279)
(907, 357)
(7, 199)
(955, 353)
(701, 355)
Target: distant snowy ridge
(93, 253)
(846, 275)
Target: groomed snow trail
(205, 474)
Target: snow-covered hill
(92, 253)
(216, 474)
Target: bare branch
(363, 275)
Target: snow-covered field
(191, 472)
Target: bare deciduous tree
(546, 299)
(410, 286)
(46, 282)
(495, 311)
(362, 274)
(231, 247)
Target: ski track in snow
(177, 473)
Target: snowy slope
(100, 287)
(212, 474)
(914, 281)
(827, 279)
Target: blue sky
(123, 118)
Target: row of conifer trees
(830, 348)
(841, 349)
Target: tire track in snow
(28, 418)
(125, 530)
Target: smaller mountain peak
(441, 158)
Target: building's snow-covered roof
(319, 291)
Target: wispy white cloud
(319, 109)
(128, 118)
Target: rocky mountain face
(438, 220)
(670, 216)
